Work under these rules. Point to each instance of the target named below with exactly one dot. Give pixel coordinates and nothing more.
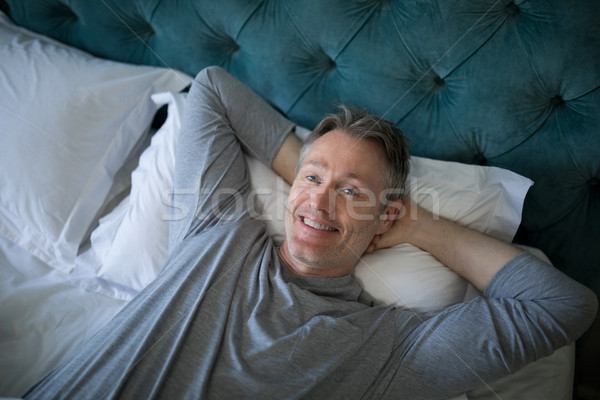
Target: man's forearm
(473, 255)
(284, 163)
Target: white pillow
(68, 122)
(131, 243)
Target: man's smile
(316, 225)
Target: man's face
(334, 204)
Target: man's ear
(388, 216)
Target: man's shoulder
(239, 231)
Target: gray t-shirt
(225, 320)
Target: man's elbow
(585, 310)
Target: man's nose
(322, 198)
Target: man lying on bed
(232, 316)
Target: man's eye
(351, 192)
(312, 178)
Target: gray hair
(358, 124)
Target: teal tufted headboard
(514, 84)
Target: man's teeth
(316, 225)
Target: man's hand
(399, 232)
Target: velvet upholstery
(493, 82)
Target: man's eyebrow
(315, 164)
(352, 175)
(349, 175)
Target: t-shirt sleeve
(528, 310)
(222, 117)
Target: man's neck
(297, 268)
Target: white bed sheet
(45, 315)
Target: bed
(500, 101)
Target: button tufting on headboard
(557, 101)
(480, 159)
(323, 64)
(230, 46)
(331, 65)
(145, 30)
(512, 9)
(66, 13)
